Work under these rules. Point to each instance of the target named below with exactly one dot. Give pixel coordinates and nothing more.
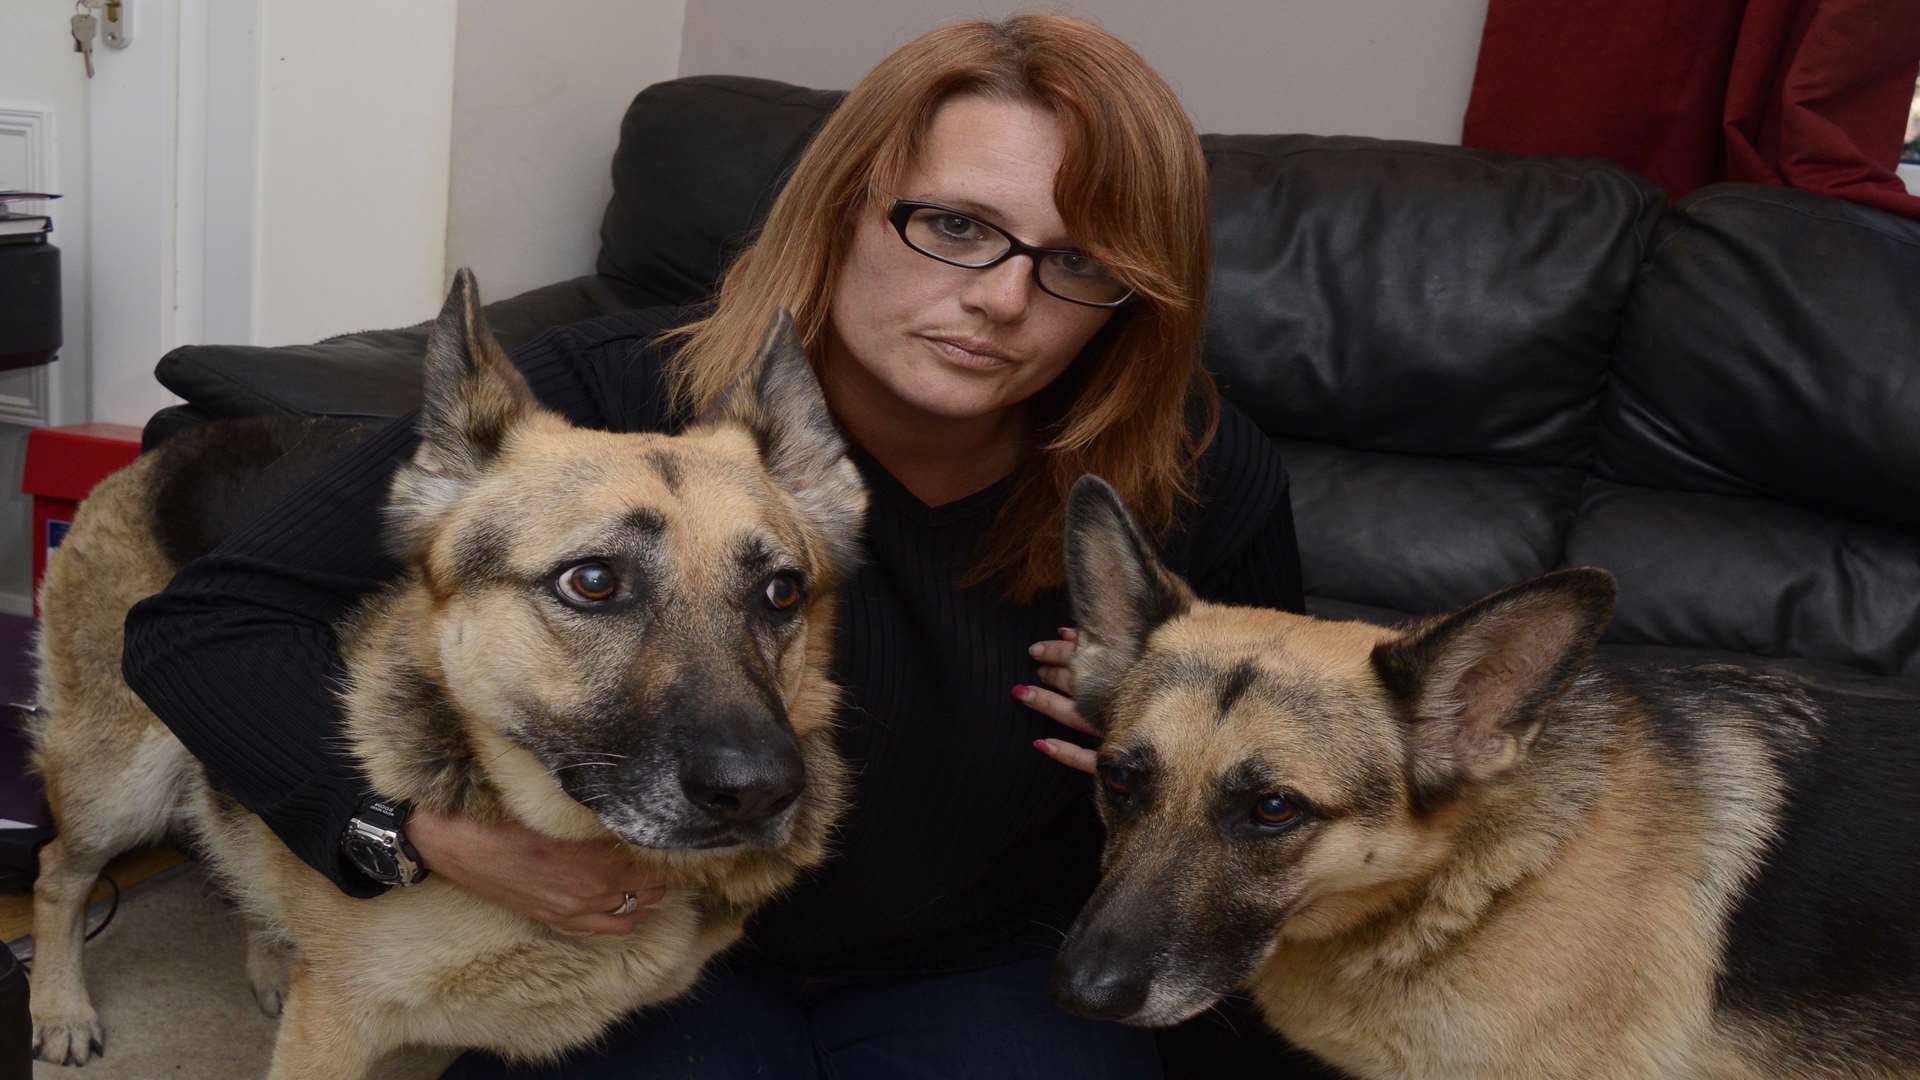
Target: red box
(63, 464)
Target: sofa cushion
(1420, 299)
(699, 162)
(1759, 456)
(1772, 347)
(1427, 331)
(1418, 534)
(1754, 575)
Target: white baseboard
(16, 604)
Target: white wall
(1388, 68)
(538, 92)
(354, 122)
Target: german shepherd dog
(605, 636)
(1463, 849)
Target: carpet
(168, 977)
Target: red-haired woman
(996, 252)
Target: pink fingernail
(1041, 745)
(1068, 633)
(1023, 692)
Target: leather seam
(1805, 212)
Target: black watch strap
(376, 843)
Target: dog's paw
(69, 1042)
(270, 964)
(272, 999)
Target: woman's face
(945, 341)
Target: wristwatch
(376, 843)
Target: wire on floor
(112, 909)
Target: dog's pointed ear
(1473, 685)
(1120, 592)
(472, 397)
(780, 402)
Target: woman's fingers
(1052, 653)
(1059, 678)
(571, 885)
(1056, 707)
(645, 896)
(1055, 659)
(1073, 757)
(617, 925)
(1055, 700)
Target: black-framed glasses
(957, 238)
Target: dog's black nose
(740, 786)
(1100, 977)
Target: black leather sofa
(1478, 367)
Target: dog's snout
(1102, 975)
(740, 785)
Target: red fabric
(1811, 94)
(63, 464)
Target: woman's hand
(1055, 700)
(571, 885)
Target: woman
(995, 250)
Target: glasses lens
(953, 237)
(956, 238)
(1081, 277)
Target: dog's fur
(1464, 849)
(687, 717)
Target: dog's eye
(1276, 811)
(783, 592)
(589, 582)
(1118, 779)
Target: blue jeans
(742, 1021)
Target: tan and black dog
(605, 636)
(1465, 850)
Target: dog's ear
(1120, 592)
(1473, 685)
(471, 399)
(780, 402)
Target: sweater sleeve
(238, 657)
(1244, 547)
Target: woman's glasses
(959, 239)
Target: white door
(162, 130)
(127, 149)
(43, 146)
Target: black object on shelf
(16, 1024)
(29, 287)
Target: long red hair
(1132, 190)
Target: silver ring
(628, 902)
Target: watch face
(373, 859)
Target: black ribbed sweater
(964, 845)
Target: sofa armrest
(374, 373)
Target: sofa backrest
(1482, 367)
(699, 162)
(1758, 465)
(1426, 330)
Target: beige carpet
(169, 980)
